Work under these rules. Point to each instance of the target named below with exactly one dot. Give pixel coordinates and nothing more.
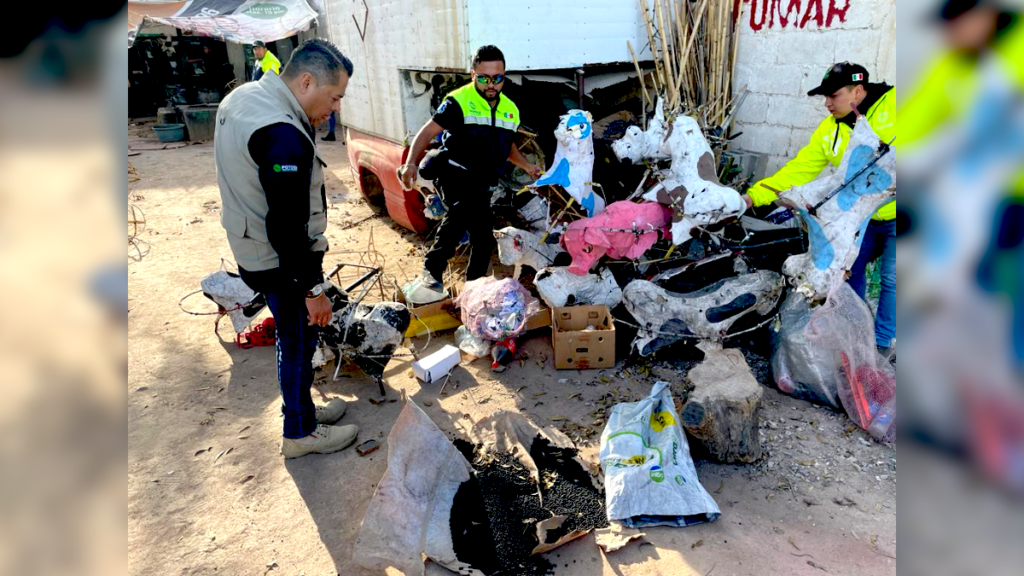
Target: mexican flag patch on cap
(858, 77)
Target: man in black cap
(845, 87)
(265, 60)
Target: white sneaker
(330, 412)
(424, 290)
(324, 440)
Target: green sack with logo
(650, 479)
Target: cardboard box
(577, 348)
(437, 365)
(541, 319)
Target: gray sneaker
(324, 440)
(330, 412)
(424, 290)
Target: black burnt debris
(495, 513)
(567, 490)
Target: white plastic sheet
(559, 287)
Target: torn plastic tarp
(665, 317)
(559, 287)
(410, 512)
(624, 230)
(835, 232)
(496, 309)
(535, 213)
(573, 165)
(240, 21)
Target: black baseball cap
(838, 76)
(953, 9)
(259, 44)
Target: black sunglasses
(490, 80)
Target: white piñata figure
(866, 179)
(519, 247)
(573, 166)
(637, 144)
(691, 188)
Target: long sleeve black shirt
(285, 159)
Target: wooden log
(722, 412)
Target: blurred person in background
(331, 122)
(849, 95)
(965, 117)
(265, 60)
(962, 166)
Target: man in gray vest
(275, 213)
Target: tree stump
(722, 411)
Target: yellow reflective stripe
(507, 125)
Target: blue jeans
(879, 240)
(330, 124)
(296, 343)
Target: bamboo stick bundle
(666, 56)
(694, 48)
(645, 97)
(659, 79)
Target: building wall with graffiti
(785, 48)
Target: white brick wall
(779, 64)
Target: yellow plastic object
(435, 323)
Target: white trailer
(407, 53)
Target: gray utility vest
(244, 214)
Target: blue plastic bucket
(169, 132)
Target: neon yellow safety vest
(827, 146)
(270, 62)
(485, 140)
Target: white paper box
(437, 365)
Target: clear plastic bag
(474, 346)
(496, 309)
(866, 381)
(802, 370)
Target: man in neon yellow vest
(480, 126)
(265, 60)
(845, 87)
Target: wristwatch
(316, 292)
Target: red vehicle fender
(374, 162)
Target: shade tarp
(242, 21)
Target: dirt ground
(208, 492)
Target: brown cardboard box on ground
(578, 348)
(542, 319)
